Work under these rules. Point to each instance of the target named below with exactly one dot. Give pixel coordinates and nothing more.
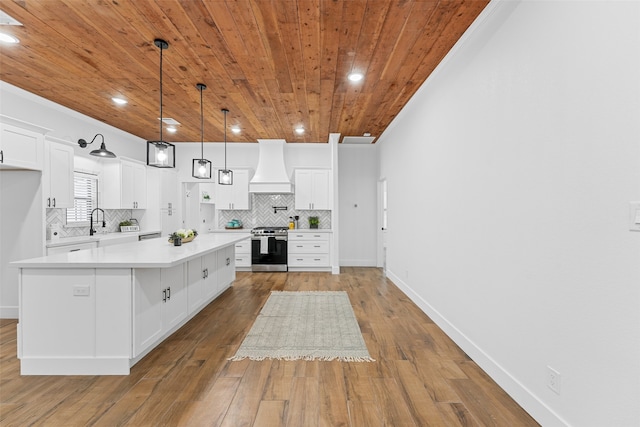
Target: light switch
(634, 216)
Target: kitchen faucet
(104, 223)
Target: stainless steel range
(269, 249)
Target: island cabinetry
(309, 251)
(58, 175)
(160, 304)
(21, 145)
(313, 189)
(123, 184)
(226, 267)
(202, 281)
(236, 196)
(75, 321)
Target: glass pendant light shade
(161, 154)
(225, 176)
(201, 168)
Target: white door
(382, 229)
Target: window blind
(85, 194)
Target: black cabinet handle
(74, 250)
(54, 202)
(1, 156)
(204, 274)
(169, 292)
(48, 202)
(228, 261)
(164, 295)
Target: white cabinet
(236, 196)
(58, 175)
(312, 189)
(226, 267)
(21, 148)
(160, 304)
(123, 184)
(309, 250)
(202, 281)
(243, 253)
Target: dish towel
(264, 244)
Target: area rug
(305, 326)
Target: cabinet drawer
(243, 260)
(71, 248)
(310, 260)
(243, 247)
(308, 236)
(309, 247)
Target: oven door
(269, 254)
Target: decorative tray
(233, 228)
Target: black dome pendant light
(225, 176)
(161, 154)
(201, 168)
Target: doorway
(382, 224)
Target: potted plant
(314, 221)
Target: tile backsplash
(56, 218)
(262, 213)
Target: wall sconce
(101, 152)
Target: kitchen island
(99, 311)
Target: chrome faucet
(104, 223)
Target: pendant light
(161, 154)
(201, 168)
(102, 152)
(225, 176)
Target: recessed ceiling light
(119, 101)
(235, 129)
(300, 130)
(355, 77)
(172, 129)
(8, 38)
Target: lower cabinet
(226, 267)
(160, 303)
(308, 251)
(243, 254)
(202, 281)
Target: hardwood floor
(420, 377)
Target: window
(85, 198)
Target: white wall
(358, 204)
(522, 153)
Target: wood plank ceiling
(275, 64)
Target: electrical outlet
(553, 379)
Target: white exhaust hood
(271, 174)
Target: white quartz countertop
(63, 241)
(153, 253)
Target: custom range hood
(271, 174)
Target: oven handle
(277, 237)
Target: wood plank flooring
(420, 377)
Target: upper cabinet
(123, 184)
(21, 144)
(58, 175)
(236, 196)
(313, 189)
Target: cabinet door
(147, 312)
(21, 148)
(236, 196)
(320, 184)
(210, 284)
(195, 279)
(59, 176)
(175, 305)
(139, 186)
(226, 267)
(127, 178)
(303, 189)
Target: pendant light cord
(225, 138)
(201, 123)
(161, 49)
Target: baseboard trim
(358, 263)
(9, 312)
(514, 388)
